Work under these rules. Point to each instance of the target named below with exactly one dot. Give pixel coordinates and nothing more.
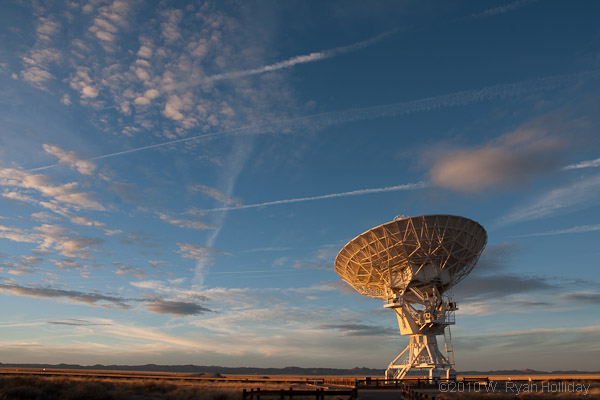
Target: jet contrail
(153, 146)
(360, 192)
(330, 53)
(575, 229)
(303, 59)
(502, 9)
(320, 120)
(583, 164)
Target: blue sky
(177, 178)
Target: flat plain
(63, 384)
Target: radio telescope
(410, 263)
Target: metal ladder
(448, 345)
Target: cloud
(170, 26)
(198, 252)
(139, 238)
(338, 286)
(184, 223)
(46, 28)
(158, 263)
(36, 76)
(42, 56)
(86, 222)
(575, 229)
(499, 285)
(68, 264)
(360, 329)
(144, 51)
(17, 235)
(19, 197)
(76, 322)
(577, 195)
(44, 217)
(360, 192)
(583, 297)
(24, 265)
(178, 308)
(381, 111)
(326, 267)
(495, 258)
(65, 241)
(174, 292)
(507, 161)
(92, 299)
(265, 249)
(214, 193)
(137, 272)
(583, 164)
(66, 194)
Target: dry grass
(67, 388)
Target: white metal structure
(411, 263)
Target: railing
(369, 382)
(282, 394)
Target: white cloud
(142, 74)
(40, 58)
(151, 94)
(137, 272)
(86, 222)
(17, 234)
(89, 92)
(65, 241)
(43, 217)
(144, 51)
(184, 223)
(19, 197)
(71, 159)
(198, 252)
(173, 108)
(170, 27)
(142, 101)
(506, 161)
(46, 28)
(36, 76)
(66, 194)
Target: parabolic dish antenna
(410, 263)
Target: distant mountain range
(271, 371)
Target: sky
(176, 178)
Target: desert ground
(57, 384)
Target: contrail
(153, 146)
(303, 59)
(360, 192)
(330, 53)
(575, 229)
(502, 9)
(321, 120)
(583, 164)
